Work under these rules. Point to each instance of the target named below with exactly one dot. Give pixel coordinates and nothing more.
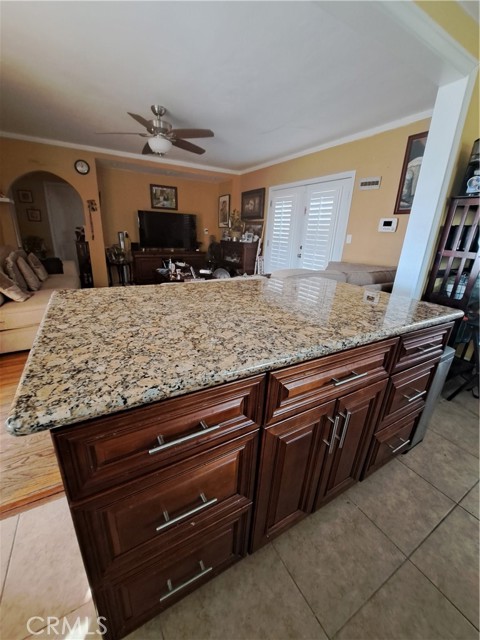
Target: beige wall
(124, 192)
(18, 158)
(378, 155)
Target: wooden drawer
(389, 442)
(145, 517)
(407, 392)
(304, 386)
(420, 346)
(109, 451)
(137, 597)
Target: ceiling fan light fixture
(159, 145)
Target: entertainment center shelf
(147, 261)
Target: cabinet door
(355, 417)
(293, 452)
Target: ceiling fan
(161, 135)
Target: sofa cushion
(11, 290)
(347, 267)
(289, 273)
(13, 272)
(60, 281)
(338, 276)
(29, 313)
(37, 266)
(28, 273)
(370, 277)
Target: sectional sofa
(365, 275)
(19, 321)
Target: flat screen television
(166, 230)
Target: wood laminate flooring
(29, 472)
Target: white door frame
(345, 206)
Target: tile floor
(395, 557)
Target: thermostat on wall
(388, 225)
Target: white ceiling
(271, 79)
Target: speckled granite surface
(102, 350)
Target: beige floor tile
(337, 558)
(46, 575)
(456, 424)
(471, 502)
(256, 598)
(445, 465)
(149, 631)
(408, 607)
(7, 535)
(449, 558)
(405, 507)
(465, 399)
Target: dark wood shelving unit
(456, 266)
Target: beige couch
(365, 275)
(19, 321)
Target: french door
(307, 224)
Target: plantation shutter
(280, 246)
(320, 225)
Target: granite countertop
(102, 350)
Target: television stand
(147, 261)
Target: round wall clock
(82, 167)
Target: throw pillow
(27, 272)
(14, 272)
(12, 290)
(37, 266)
(2, 299)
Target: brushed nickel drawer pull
(166, 445)
(353, 376)
(168, 523)
(418, 394)
(345, 428)
(172, 591)
(404, 443)
(331, 444)
(430, 347)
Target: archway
(50, 219)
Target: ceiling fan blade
(146, 150)
(188, 146)
(192, 133)
(120, 133)
(145, 123)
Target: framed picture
(34, 215)
(410, 172)
(252, 204)
(223, 210)
(255, 228)
(163, 197)
(25, 196)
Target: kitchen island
(194, 422)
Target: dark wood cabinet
(293, 452)
(456, 266)
(355, 418)
(238, 257)
(168, 495)
(155, 491)
(310, 458)
(145, 263)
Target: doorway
(307, 222)
(48, 212)
(65, 214)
